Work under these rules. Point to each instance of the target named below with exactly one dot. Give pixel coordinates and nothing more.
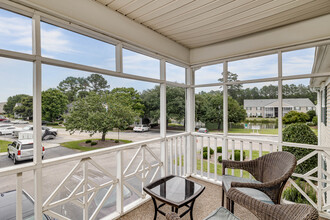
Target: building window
(310, 108)
(297, 108)
(258, 108)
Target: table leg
(191, 209)
(156, 208)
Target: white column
(119, 58)
(280, 101)
(163, 151)
(225, 112)
(319, 115)
(37, 135)
(190, 119)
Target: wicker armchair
(267, 211)
(270, 171)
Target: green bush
(93, 143)
(88, 141)
(219, 149)
(205, 150)
(301, 133)
(314, 120)
(311, 114)
(237, 155)
(52, 124)
(116, 141)
(295, 117)
(293, 195)
(220, 159)
(204, 155)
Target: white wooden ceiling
(197, 23)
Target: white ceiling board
(293, 34)
(196, 23)
(261, 19)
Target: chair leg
(232, 206)
(223, 198)
(228, 203)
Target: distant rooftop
(297, 102)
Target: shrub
(301, 133)
(293, 195)
(314, 120)
(311, 114)
(52, 124)
(205, 150)
(88, 141)
(93, 143)
(219, 149)
(204, 155)
(116, 141)
(220, 159)
(237, 155)
(295, 117)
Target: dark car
(8, 206)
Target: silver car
(22, 150)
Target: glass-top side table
(175, 191)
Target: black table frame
(175, 206)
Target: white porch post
(163, 150)
(119, 58)
(190, 119)
(37, 150)
(319, 115)
(280, 101)
(225, 111)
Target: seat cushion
(228, 179)
(256, 194)
(221, 214)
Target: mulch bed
(101, 144)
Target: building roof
(2, 104)
(298, 102)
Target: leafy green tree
(54, 104)
(210, 108)
(131, 97)
(79, 87)
(99, 113)
(295, 117)
(97, 83)
(26, 109)
(175, 98)
(11, 102)
(235, 91)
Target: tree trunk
(103, 136)
(219, 125)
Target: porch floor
(204, 205)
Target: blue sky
(58, 43)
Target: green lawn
(248, 131)
(4, 145)
(75, 144)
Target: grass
(237, 172)
(4, 145)
(248, 131)
(75, 144)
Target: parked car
(30, 128)
(3, 118)
(5, 125)
(7, 130)
(203, 130)
(20, 122)
(8, 206)
(141, 128)
(22, 150)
